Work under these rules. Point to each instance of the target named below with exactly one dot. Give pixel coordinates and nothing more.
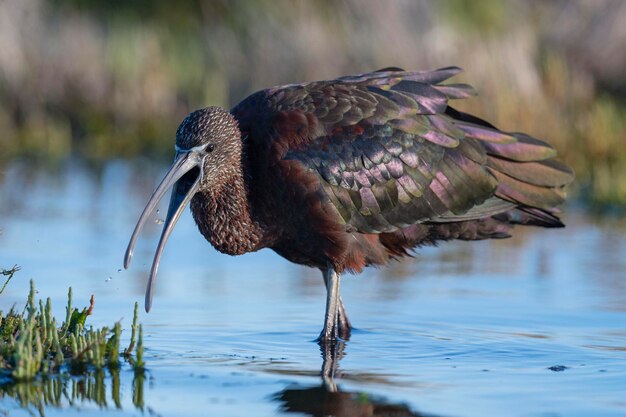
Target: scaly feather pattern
(383, 164)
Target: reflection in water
(321, 401)
(328, 399)
(63, 390)
(332, 352)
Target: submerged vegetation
(34, 346)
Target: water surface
(530, 326)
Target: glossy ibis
(351, 172)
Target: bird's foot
(340, 330)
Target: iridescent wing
(389, 152)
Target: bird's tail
(526, 169)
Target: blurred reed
(102, 79)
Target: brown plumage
(352, 172)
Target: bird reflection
(321, 401)
(332, 352)
(327, 399)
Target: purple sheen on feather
(409, 158)
(457, 91)
(362, 179)
(375, 153)
(439, 138)
(485, 133)
(395, 168)
(384, 172)
(410, 186)
(369, 203)
(376, 174)
(520, 151)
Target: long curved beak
(182, 192)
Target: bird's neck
(224, 218)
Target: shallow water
(529, 326)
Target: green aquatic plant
(33, 345)
(61, 390)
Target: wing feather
(388, 151)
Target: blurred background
(101, 79)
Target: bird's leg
(336, 323)
(345, 327)
(332, 279)
(343, 323)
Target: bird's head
(208, 149)
(212, 136)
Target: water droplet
(119, 270)
(158, 211)
(159, 221)
(108, 279)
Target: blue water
(465, 329)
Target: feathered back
(389, 152)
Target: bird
(353, 172)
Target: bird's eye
(210, 147)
